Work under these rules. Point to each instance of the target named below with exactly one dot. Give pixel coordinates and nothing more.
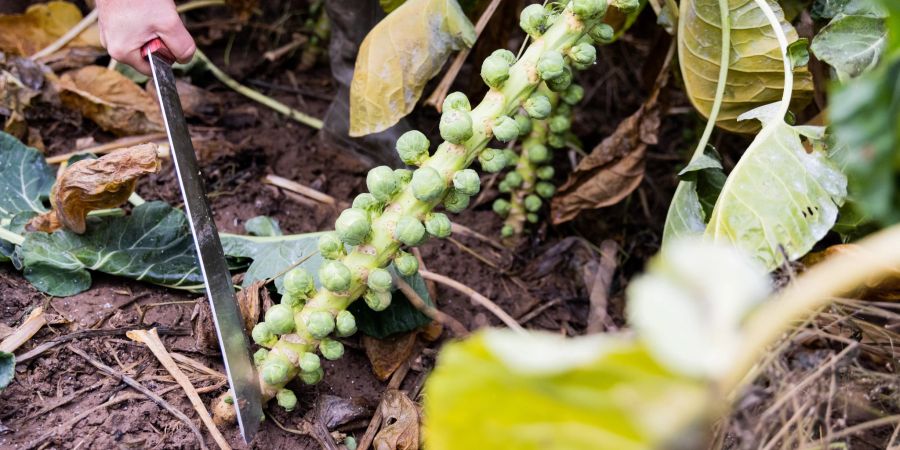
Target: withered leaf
(399, 56)
(111, 100)
(386, 355)
(41, 25)
(400, 423)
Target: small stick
(466, 231)
(394, 384)
(87, 21)
(152, 341)
(433, 313)
(24, 332)
(12, 238)
(108, 147)
(474, 295)
(196, 365)
(89, 334)
(294, 186)
(140, 388)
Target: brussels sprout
(495, 69)
(537, 153)
(379, 280)
(562, 82)
(286, 399)
(410, 231)
(533, 20)
(507, 231)
(512, 158)
(298, 282)
(280, 319)
(295, 301)
(531, 217)
(353, 226)
(427, 184)
(350, 443)
(456, 100)
(455, 126)
(412, 147)
(312, 377)
(551, 65)
(320, 324)
(382, 183)
(260, 357)
(492, 160)
(560, 124)
(532, 203)
(501, 207)
(345, 324)
(406, 264)
(366, 202)
(456, 201)
(276, 371)
(573, 94)
(524, 124)
(504, 187)
(403, 176)
(588, 9)
(563, 109)
(546, 172)
(556, 140)
(505, 129)
(538, 106)
(335, 276)
(601, 33)
(263, 335)
(467, 181)
(438, 225)
(545, 189)
(331, 349)
(309, 362)
(377, 301)
(514, 179)
(330, 246)
(583, 53)
(626, 6)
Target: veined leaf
(7, 369)
(852, 42)
(755, 76)
(399, 56)
(25, 183)
(695, 197)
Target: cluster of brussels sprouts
(399, 211)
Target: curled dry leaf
(386, 355)
(111, 100)
(41, 25)
(400, 423)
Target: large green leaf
(25, 182)
(853, 42)
(695, 196)
(538, 391)
(755, 76)
(7, 369)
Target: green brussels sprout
(280, 319)
(456, 100)
(330, 246)
(537, 153)
(562, 82)
(406, 264)
(531, 217)
(309, 362)
(427, 184)
(512, 158)
(379, 280)
(546, 172)
(263, 335)
(366, 202)
(524, 124)
(507, 231)
(492, 160)
(505, 129)
(350, 443)
(382, 183)
(377, 301)
(495, 69)
(276, 371)
(583, 53)
(438, 225)
(588, 9)
(410, 231)
(601, 33)
(295, 301)
(626, 6)
(551, 65)
(345, 324)
(560, 124)
(412, 147)
(353, 226)
(260, 357)
(545, 189)
(456, 201)
(533, 20)
(501, 207)
(320, 324)
(298, 282)
(556, 140)
(538, 106)
(403, 176)
(455, 126)
(514, 179)
(563, 109)
(572, 95)
(335, 276)
(312, 377)
(504, 187)
(331, 349)
(467, 181)
(532, 203)
(228, 399)
(286, 399)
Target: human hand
(126, 25)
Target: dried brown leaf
(41, 25)
(249, 300)
(386, 355)
(400, 423)
(111, 100)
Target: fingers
(127, 26)
(178, 40)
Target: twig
(258, 97)
(140, 388)
(273, 55)
(196, 365)
(152, 341)
(396, 379)
(860, 427)
(24, 332)
(87, 21)
(301, 189)
(433, 313)
(468, 232)
(475, 254)
(11, 237)
(474, 295)
(89, 334)
(108, 147)
(309, 429)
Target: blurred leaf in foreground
(41, 25)
(854, 40)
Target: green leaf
(25, 178)
(7, 369)
(272, 255)
(695, 196)
(778, 196)
(851, 44)
(390, 5)
(399, 56)
(263, 226)
(152, 244)
(503, 390)
(401, 316)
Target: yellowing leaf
(756, 73)
(41, 25)
(399, 56)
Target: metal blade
(227, 316)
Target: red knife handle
(159, 48)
